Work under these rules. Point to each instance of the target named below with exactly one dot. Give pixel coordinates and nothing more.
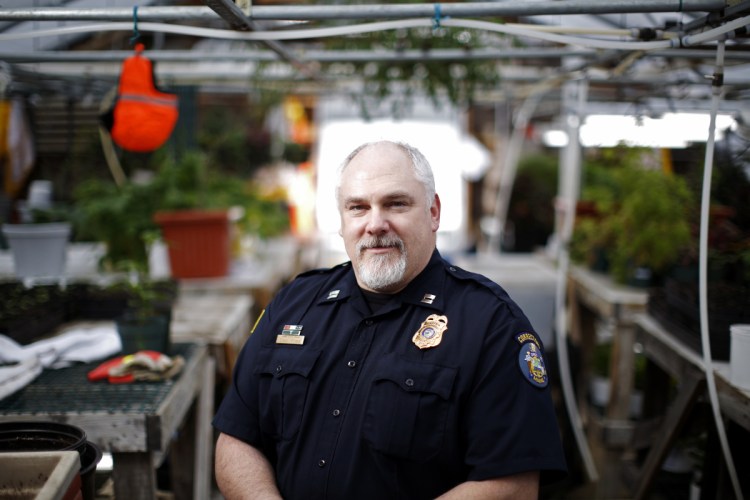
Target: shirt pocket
(284, 379)
(408, 408)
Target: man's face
(388, 229)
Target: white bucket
(739, 356)
(40, 194)
(39, 250)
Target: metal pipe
(509, 74)
(390, 11)
(330, 56)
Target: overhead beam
(369, 11)
(238, 20)
(329, 56)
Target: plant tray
(27, 314)
(676, 307)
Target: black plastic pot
(40, 436)
(54, 436)
(90, 457)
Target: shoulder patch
(531, 362)
(527, 337)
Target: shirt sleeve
(510, 422)
(238, 414)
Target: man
(396, 375)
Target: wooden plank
(692, 386)
(204, 436)
(735, 403)
(175, 406)
(133, 475)
(621, 372)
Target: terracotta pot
(198, 242)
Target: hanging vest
(143, 117)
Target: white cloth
(15, 377)
(77, 343)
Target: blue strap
(437, 18)
(136, 35)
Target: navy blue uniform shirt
(353, 408)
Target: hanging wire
(718, 80)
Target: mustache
(380, 241)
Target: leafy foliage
(456, 80)
(641, 217)
(122, 216)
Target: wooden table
(595, 296)
(222, 322)
(259, 276)
(673, 358)
(135, 422)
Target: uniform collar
(426, 289)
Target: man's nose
(378, 222)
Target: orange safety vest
(143, 117)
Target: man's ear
(435, 213)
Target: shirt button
(409, 382)
(336, 413)
(278, 369)
(351, 364)
(321, 463)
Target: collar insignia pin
(430, 333)
(428, 298)
(333, 294)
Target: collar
(425, 290)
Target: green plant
(641, 217)
(651, 224)
(20, 301)
(191, 183)
(122, 216)
(119, 216)
(456, 81)
(55, 213)
(147, 297)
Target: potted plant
(145, 323)
(200, 209)
(183, 192)
(194, 217)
